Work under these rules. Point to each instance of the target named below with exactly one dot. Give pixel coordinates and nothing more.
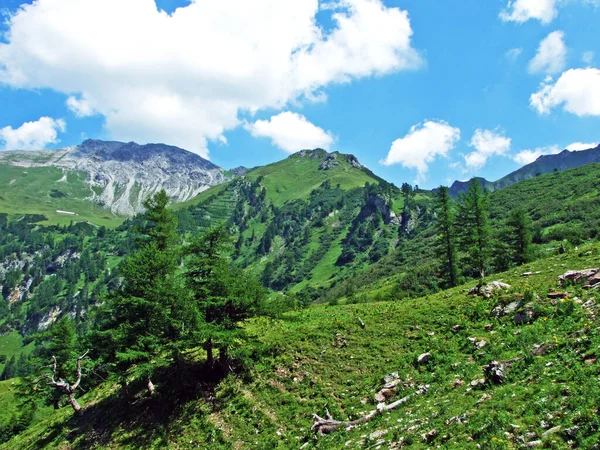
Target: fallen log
(328, 425)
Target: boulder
(495, 372)
(525, 316)
(488, 289)
(557, 295)
(575, 276)
(424, 358)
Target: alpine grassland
(308, 304)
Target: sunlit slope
(46, 190)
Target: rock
(589, 362)
(483, 398)
(488, 289)
(575, 276)
(424, 358)
(557, 295)
(523, 317)
(383, 395)
(377, 434)
(480, 344)
(533, 444)
(329, 162)
(488, 327)
(457, 383)
(429, 437)
(495, 372)
(478, 384)
(551, 431)
(456, 328)
(572, 432)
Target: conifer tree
(223, 296)
(519, 238)
(474, 230)
(446, 248)
(146, 311)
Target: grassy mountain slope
(302, 221)
(321, 359)
(44, 190)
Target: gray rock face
(121, 175)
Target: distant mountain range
(121, 175)
(544, 164)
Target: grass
(11, 344)
(320, 358)
(27, 190)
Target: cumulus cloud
(513, 54)
(486, 143)
(551, 55)
(32, 135)
(187, 77)
(291, 132)
(422, 145)
(578, 146)
(529, 156)
(578, 90)
(523, 10)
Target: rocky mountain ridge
(544, 164)
(121, 175)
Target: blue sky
(423, 91)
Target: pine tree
(224, 296)
(474, 230)
(446, 248)
(145, 312)
(519, 237)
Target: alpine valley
(366, 331)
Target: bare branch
(76, 384)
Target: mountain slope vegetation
(321, 360)
(181, 347)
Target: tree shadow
(150, 419)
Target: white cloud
(486, 143)
(513, 54)
(578, 90)
(528, 156)
(32, 135)
(81, 106)
(185, 78)
(291, 132)
(422, 145)
(588, 57)
(578, 146)
(523, 10)
(551, 55)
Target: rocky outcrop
(122, 175)
(329, 162)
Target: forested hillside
(233, 312)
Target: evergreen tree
(9, 369)
(446, 248)
(145, 316)
(224, 296)
(474, 230)
(519, 238)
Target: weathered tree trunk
(224, 359)
(328, 425)
(210, 358)
(67, 388)
(74, 404)
(150, 386)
